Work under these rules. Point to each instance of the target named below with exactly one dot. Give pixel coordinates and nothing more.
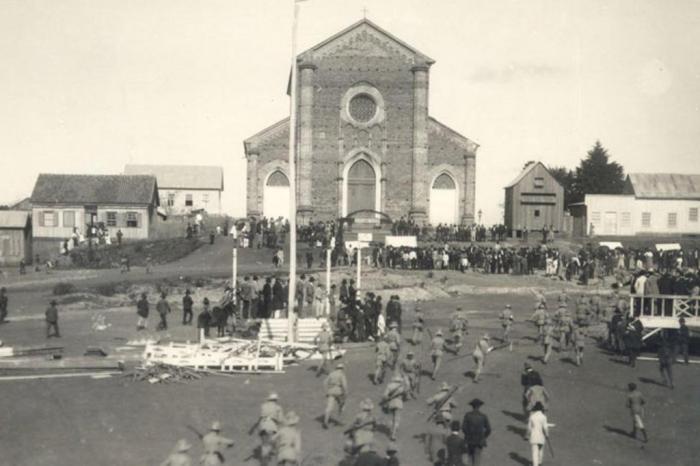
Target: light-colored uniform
(440, 427)
(410, 369)
(288, 444)
(214, 444)
(506, 323)
(177, 459)
(324, 340)
(537, 394)
(437, 347)
(537, 433)
(394, 340)
(394, 394)
(336, 385)
(383, 356)
(271, 416)
(479, 355)
(417, 337)
(579, 336)
(363, 435)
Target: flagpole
(291, 297)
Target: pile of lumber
(38, 350)
(162, 373)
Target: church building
(365, 141)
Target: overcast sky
(88, 86)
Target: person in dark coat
(52, 320)
(142, 311)
(3, 304)
(204, 320)
(163, 309)
(454, 446)
(476, 429)
(219, 317)
(393, 311)
(187, 304)
(277, 295)
(344, 296)
(267, 298)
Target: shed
(534, 200)
(15, 237)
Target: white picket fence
(305, 330)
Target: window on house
(171, 199)
(537, 213)
(188, 200)
(50, 218)
(111, 219)
(595, 218)
(626, 219)
(693, 214)
(205, 197)
(539, 182)
(132, 219)
(672, 219)
(646, 219)
(69, 218)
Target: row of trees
(596, 174)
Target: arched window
(444, 200)
(276, 195)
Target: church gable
(275, 135)
(365, 39)
(440, 134)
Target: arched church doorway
(276, 196)
(443, 201)
(361, 187)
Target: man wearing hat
(383, 356)
(635, 403)
(528, 378)
(394, 395)
(179, 456)
(52, 320)
(362, 429)
(214, 444)
(142, 312)
(442, 403)
(417, 337)
(369, 457)
(187, 304)
(271, 416)
(539, 317)
(476, 429)
(394, 340)
(336, 385)
(457, 327)
(506, 323)
(410, 369)
(393, 311)
(288, 441)
(479, 355)
(204, 320)
(437, 347)
(324, 340)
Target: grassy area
(160, 251)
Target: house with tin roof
(185, 188)
(15, 237)
(651, 203)
(64, 204)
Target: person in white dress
(537, 433)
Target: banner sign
(399, 241)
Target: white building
(184, 188)
(652, 203)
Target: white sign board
(668, 247)
(398, 241)
(356, 244)
(364, 237)
(611, 244)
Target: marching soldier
(457, 325)
(213, 444)
(410, 370)
(288, 441)
(635, 403)
(179, 457)
(393, 398)
(479, 355)
(394, 340)
(437, 347)
(579, 340)
(506, 323)
(539, 317)
(324, 340)
(362, 429)
(417, 337)
(336, 385)
(271, 417)
(564, 322)
(383, 356)
(548, 341)
(443, 403)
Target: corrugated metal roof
(95, 189)
(181, 176)
(13, 218)
(665, 185)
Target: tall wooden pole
(291, 297)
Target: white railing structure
(658, 312)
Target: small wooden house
(15, 237)
(534, 200)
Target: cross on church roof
(364, 12)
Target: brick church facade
(365, 140)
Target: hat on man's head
(182, 445)
(475, 403)
(438, 333)
(340, 365)
(366, 405)
(291, 418)
(273, 396)
(444, 387)
(53, 302)
(215, 426)
(392, 448)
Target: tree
(567, 179)
(597, 175)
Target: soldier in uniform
(179, 456)
(324, 339)
(394, 340)
(213, 444)
(443, 403)
(417, 337)
(336, 385)
(548, 341)
(635, 403)
(271, 416)
(457, 327)
(288, 441)
(564, 323)
(579, 340)
(410, 370)
(506, 323)
(362, 429)
(393, 398)
(479, 355)
(383, 356)
(437, 347)
(539, 317)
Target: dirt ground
(118, 422)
